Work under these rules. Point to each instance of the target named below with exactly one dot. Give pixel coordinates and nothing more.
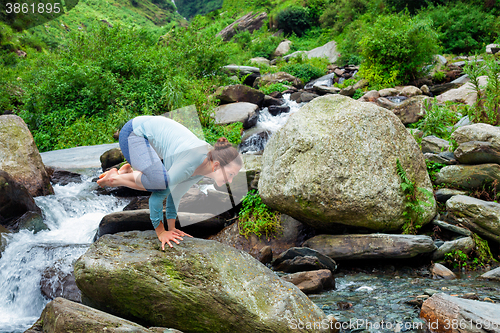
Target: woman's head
(226, 161)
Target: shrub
(462, 27)
(438, 120)
(306, 69)
(340, 14)
(272, 88)
(265, 47)
(294, 19)
(395, 49)
(255, 217)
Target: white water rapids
(72, 215)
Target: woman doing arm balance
(145, 141)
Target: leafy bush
(304, 68)
(265, 47)
(437, 121)
(462, 27)
(295, 19)
(438, 76)
(395, 49)
(341, 13)
(255, 217)
(272, 88)
(232, 132)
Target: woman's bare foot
(107, 178)
(126, 168)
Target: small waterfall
(253, 141)
(72, 214)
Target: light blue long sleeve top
(182, 152)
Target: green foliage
(438, 76)
(255, 217)
(414, 207)
(478, 258)
(433, 168)
(345, 83)
(358, 94)
(396, 47)
(463, 27)
(341, 13)
(438, 120)
(486, 108)
(295, 19)
(272, 88)
(456, 258)
(304, 68)
(264, 47)
(232, 132)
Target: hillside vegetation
(104, 62)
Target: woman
(145, 141)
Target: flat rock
(433, 144)
(440, 271)
(313, 281)
(239, 93)
(370, 246)
(441, 309)
(469, 177)
(260, 61)
(481, 217)
(77, 158)
(234, 112)
(443, 194)
(289, 261)
(464, 94)
(329, 50)
(464, 244)
(477, 152)
(493, 274)
(225, 289)
(477, 132)
(453, 228)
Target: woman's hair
(224, 153)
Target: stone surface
(433, 144)
(481, 217)
(248, 22)
(57, 283)
(260, 61)
(279, 77)
(283, 48)
(19, 156)
(477, 152)
(225, 289)
(342, 154)
(76, 158)
(111, 158)
(290, 260)
(292, 234)
(493, 274)
(443, 194)
(234, 112)
(410, 91)
(464, 244)
(370, 96)
(16, 204)
(239, 93)
(441, 309)
(63, 177)
(388, 92)
(469, 177)
(490, 48)
(313, 281)
(329, 50)
(411, 110)
(370, 246)
(62, 316)
(477, 132)
(453, 228)
(463, 94)
(439, 271)
(241, 70)
(443, 158)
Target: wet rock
(441, 309)
(312, 282)
(3, 241)
(465, 244)
(252, 165)
(411, 110)
(493, 274)
(63, 177)
(477, 132)
(18, 209)
(141, 202)
(19, 156)
(280, 77)
(370, 246)
(464, 94)
(477, 152)
(283, 48)
(265, 255)
(268, 101)
(293, 233)
(239, 93)
(433, 144)
(234, 112)
(440, 271)
(469, 177)
(58, 283)
(453, 228)
(111, 158)
(444, 158)
(248, 22)
(443, 194)
(62, 315)
(277, 110)
(410, 91)
(256, 142)
(199, 278)
(321, 158)
(481, 217)
(297, 259)
(306, 97)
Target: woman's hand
(181, 233)
(167, 237)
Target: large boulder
(248, 22)
(20, 158)
(464, 94)
(329, 51)
(291, 261)
(111, 159)
(62, 316)
(234, 112)
(411, 110)
(283, 48)
(196, 286)
(477, 152)
(482, 217)
(445, 313)
(477, 132)
(279, 77)
(239, 93)
(371, 246)
(335, 163)
(470, 177)
(313, 281)
(18, 210)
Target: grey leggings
(142, 157)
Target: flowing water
(72, 214)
